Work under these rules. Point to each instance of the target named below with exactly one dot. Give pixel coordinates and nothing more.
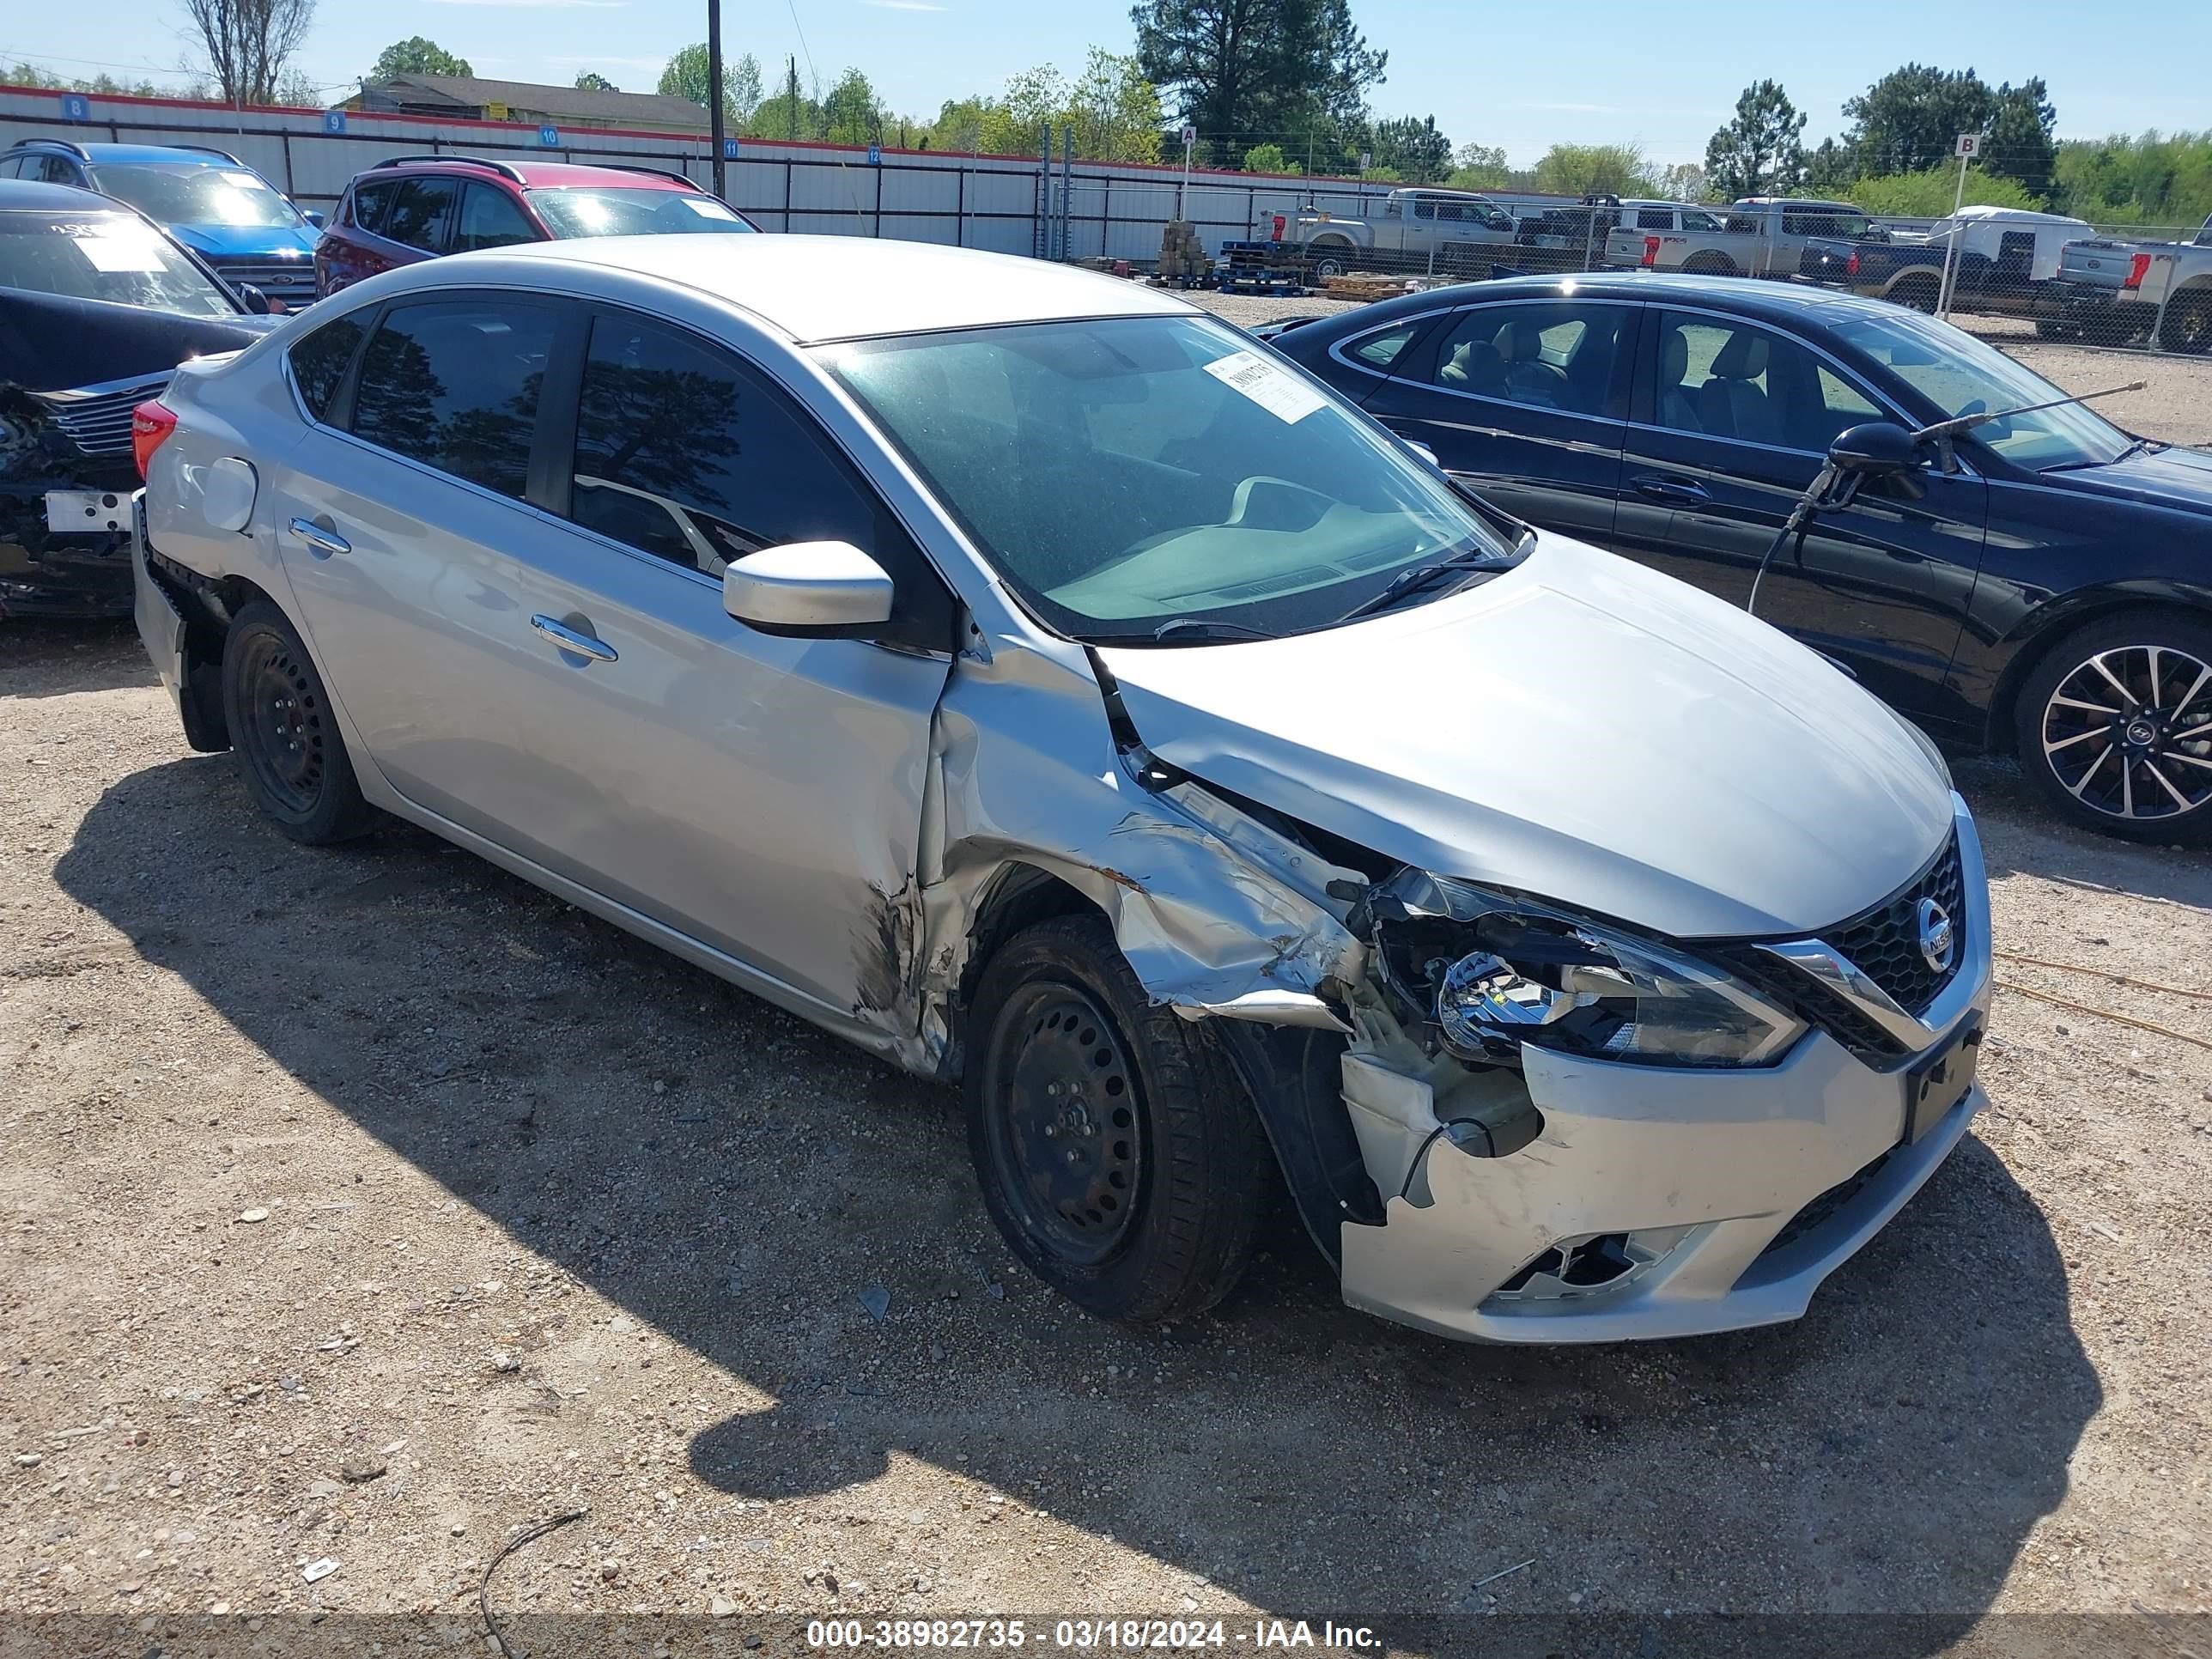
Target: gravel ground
(364, 1206)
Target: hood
(51, 343)
(2166, 477)
(277, 242)
(1582, 729)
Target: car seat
(1474, 367)
(1677, 408)
(1731, 404)
(1528, 378)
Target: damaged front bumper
(1655, 1202)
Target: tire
(1155, 1222)
(284, 732)
(1708, 264)
(2144, 771)
(1918, 293)
(2045, 329)
(2187, 326)
(1331, 259)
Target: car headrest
(1743, 358)
(1475, 365)
(1673, 358)
(1519, 343)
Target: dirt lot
(366, 1204)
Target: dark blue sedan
(2041, 586)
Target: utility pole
(714, 88)
(791, 67)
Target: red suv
(418, 207)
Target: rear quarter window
(320, 359)
(369, 202)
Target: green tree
(1831, 169)
(592, 81)
(1269, 158)
(1910, 119)
(1479, 166)
(2156, 179)
(416, 55)
(686, 77)
(1115, 110)
(1685, 181)
(1928, 194)
(1593, 170)
(851, 113)
(1762, 151)
(1243, 71)
(1412, 148)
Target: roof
(2023, 215)
(535, 175)
(1770, 301)
(23, 196)
(603, 108)
(834, 288)
(142, 155)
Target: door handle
(326, 542)
(1678, 491)
(569, 639)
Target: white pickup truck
(2166, 288)
(1411, 229)
(1760, 236)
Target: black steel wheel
(284, 733)
(2187, 326)
(1066, 1144)
(1116, 1146)
(2117, 726)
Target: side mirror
(1878, 448)
(315, 216)
(253, 299)
(1424, 451)
(808, 588)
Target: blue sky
(1523, 76)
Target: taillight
(2138, 268)
(151, 424)
(1651, 251)
(1851, 265)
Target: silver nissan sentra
(1027, 677)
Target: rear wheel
(1118, 1151)
(2187, 326)
(1918, 293)
(1710, 264)
(284, 733)
(2115, 727)
(1331, 259)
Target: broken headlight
(1491, 973)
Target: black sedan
(2040, 586)
(98, 306)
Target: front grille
(1884, 943)
(97, 419)
(278, 282)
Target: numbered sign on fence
(549, 137)
(75, 106)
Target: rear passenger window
(421, 212)
(1559, 355)
(370, 201)
(455, 385)
(1655, 219)
(681, 453)
(319, 362)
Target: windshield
(1133, 472)
(115, 257)
(184, 194)
(641, 212)
(1961, 375)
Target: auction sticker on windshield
(1279, 391)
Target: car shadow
(746, 1185)
(42, 658)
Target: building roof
(834, 288)
(611, 109)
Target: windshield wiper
(1405, 583)
(1187, 628)
(2136, 447)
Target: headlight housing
(1492, 972)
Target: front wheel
(2115, 727)
(1119, 1153)
(1331, 259)
(285, 734)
